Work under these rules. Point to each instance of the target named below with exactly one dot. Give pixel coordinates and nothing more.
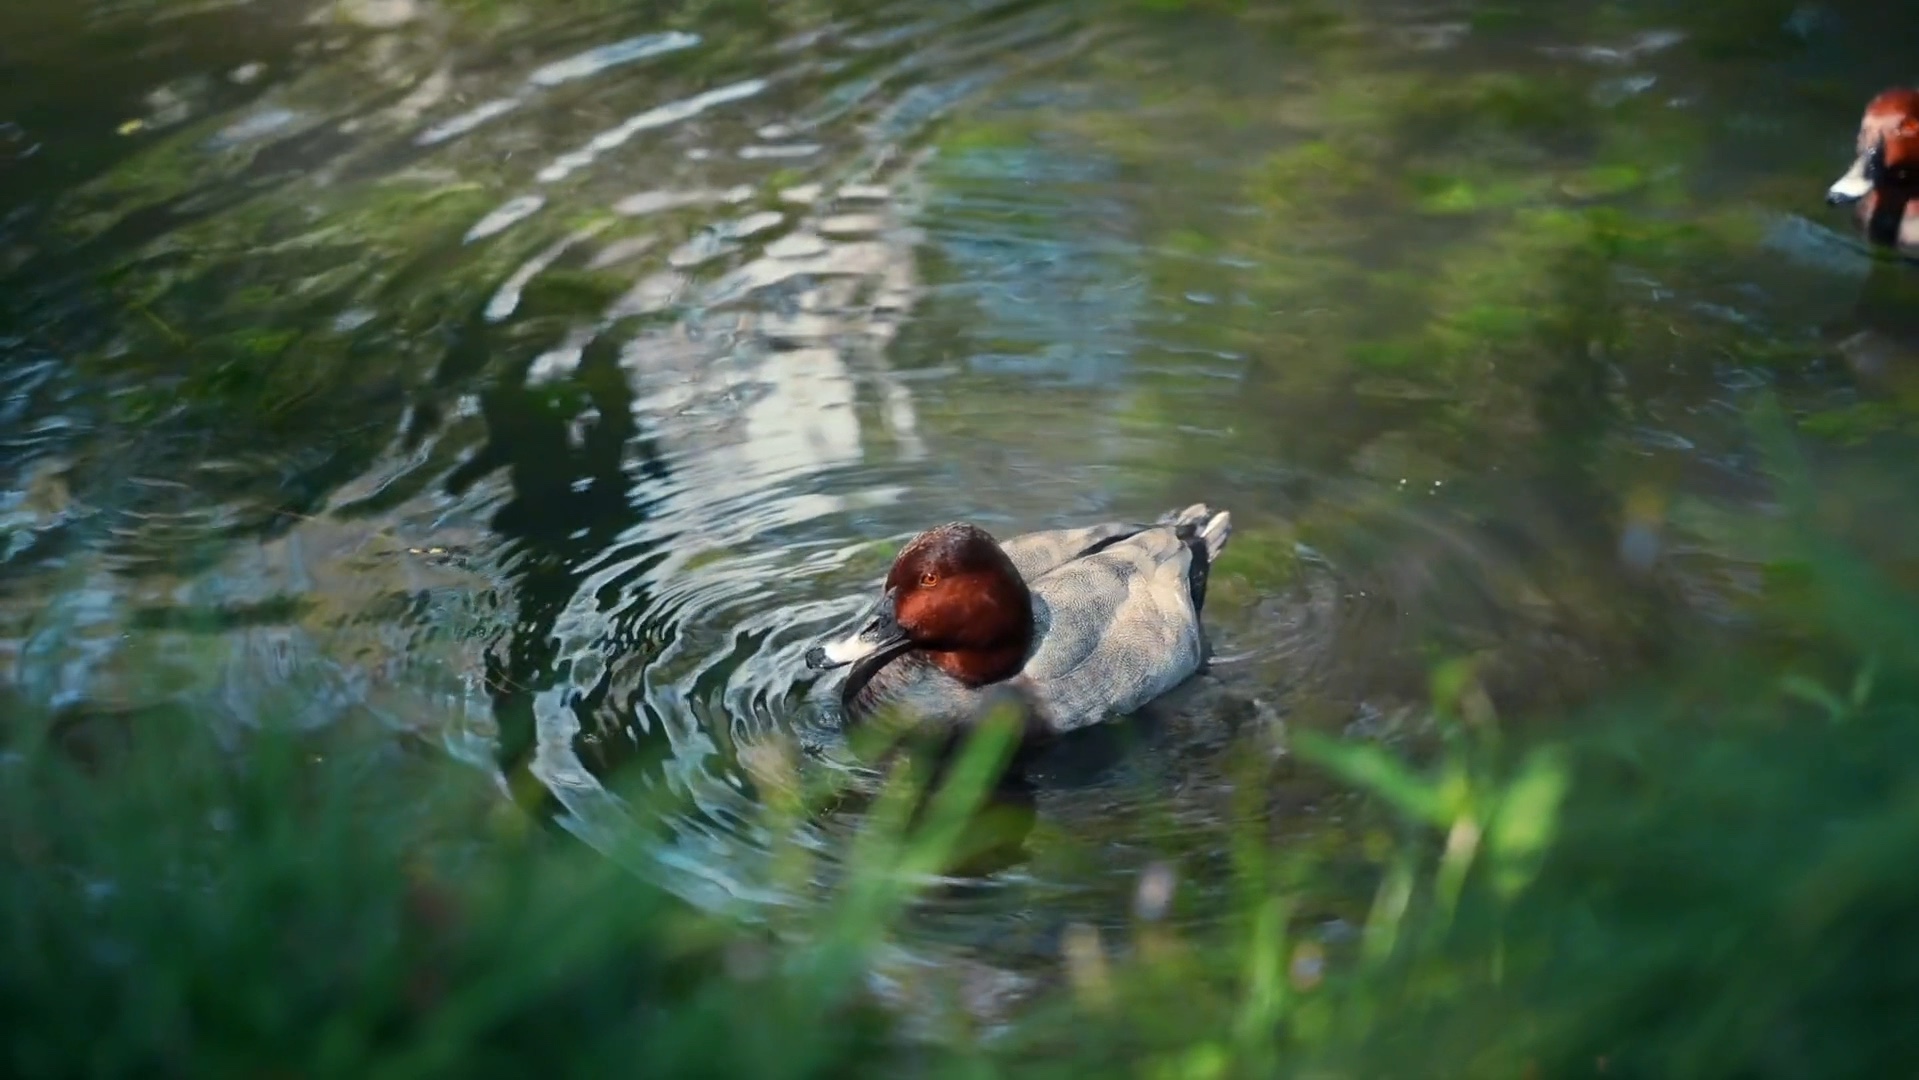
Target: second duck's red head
(1883, 182)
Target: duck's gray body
(1115, 624)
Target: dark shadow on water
(574, 458)
(1090, 756)
(1879, 341)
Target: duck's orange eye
(929, 579)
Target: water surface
(531, 382)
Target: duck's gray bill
(877, 629)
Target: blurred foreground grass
(1708, 876)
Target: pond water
(531, 382)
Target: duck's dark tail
(1205, 533)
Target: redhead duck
(1078, 624)
(1884, 180)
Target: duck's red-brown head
(955, 597)
(1884, 178)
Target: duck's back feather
(1036, 553)
(1114, 628)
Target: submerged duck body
(1883, 183)
(1079, 624)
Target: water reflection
(558, 379)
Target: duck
(1883, 183)
(1076, 625)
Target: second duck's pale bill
(1857, 182)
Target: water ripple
(657, 117)
(483, 395)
